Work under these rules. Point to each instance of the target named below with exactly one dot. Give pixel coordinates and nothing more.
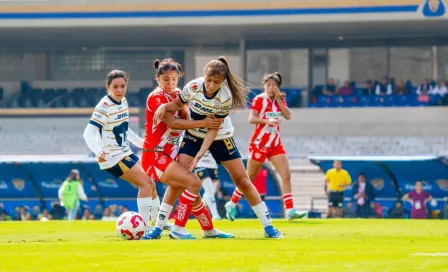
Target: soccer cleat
(152, 234)
(230, 211)
(217, 217)
(168, 226)
(293, 214)
(270, 232)
(180, 234)
(214, 233)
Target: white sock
(144, 207)
(209, 196)
(155, 209)
(263, 214)
(164, 214)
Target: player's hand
(102, 156)
(274, 122)
(277, 93)
(194, 163)
(158, 114)
(213, 123)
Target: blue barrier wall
(386, 172)
(31, 184)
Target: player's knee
(243, 183)
(147, 184)
(194, 184)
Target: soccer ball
(130, 226)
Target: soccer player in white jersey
(110, 121)
(207, 171)
(210, 96)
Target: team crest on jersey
(257, 155)
(194, 86)
(128, 158)
(162, 160)
(105, 104)
(443, 184)
(200, 173)
(378, 183)
(19, 184)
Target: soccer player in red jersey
(267, 111)
(160, 150)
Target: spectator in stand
(418, 199)
(4, 215)
(442, 91)
(44, 215)
(346, 89)
(425, 87)
(400, 88)
(87, 215)
(108, 215)
(369, 88)
(384, 87)
(330, 89)
(363, 193)
(23, 215)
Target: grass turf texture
(309, 245)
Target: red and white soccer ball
(131, 226)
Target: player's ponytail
(237, 86)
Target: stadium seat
(364, 101)
(403, 100)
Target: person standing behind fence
(336, 180)
(70, 192)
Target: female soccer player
(110, 122)
(267, 109)
(159, 152)
(208, 96)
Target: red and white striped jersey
(265, 135)
(160, 137)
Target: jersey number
(121, 132)
(230, 144)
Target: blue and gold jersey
(202, 106)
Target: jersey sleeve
(154, 101)
(348, 179)
(327, 175)
(99, 115)
(224, 109)
(256, 104)
(186, 94)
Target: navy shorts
(123, 166)
(202, 173)
(213, 173)
(221, 150)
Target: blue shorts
(123, 166)
(221, 150)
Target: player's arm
(429, 198)
(135, 139)
(97, 121)
(82, 195)
(208, 140)
(182, 124)
(406, 197)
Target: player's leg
(281, 165)
(144, 162)
(200, 212)
(134, 173)
(239, 176)
(209, 191)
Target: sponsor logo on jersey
(121, 116)
(97, 115)
(274, 115)
(202, 108)
(194, 86)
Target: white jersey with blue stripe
(112, 119)
(202, 106)
(207, 161)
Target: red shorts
(260, 154)
(155, 164)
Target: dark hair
(275, 77)
(237, 86)
(167, 65)
(116, 74)
(363, 175)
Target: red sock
(203, 216)
(184, 208)
(236, 196)
(287, 198)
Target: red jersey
(266, 136)
(160, 137)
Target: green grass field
(309, 245)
